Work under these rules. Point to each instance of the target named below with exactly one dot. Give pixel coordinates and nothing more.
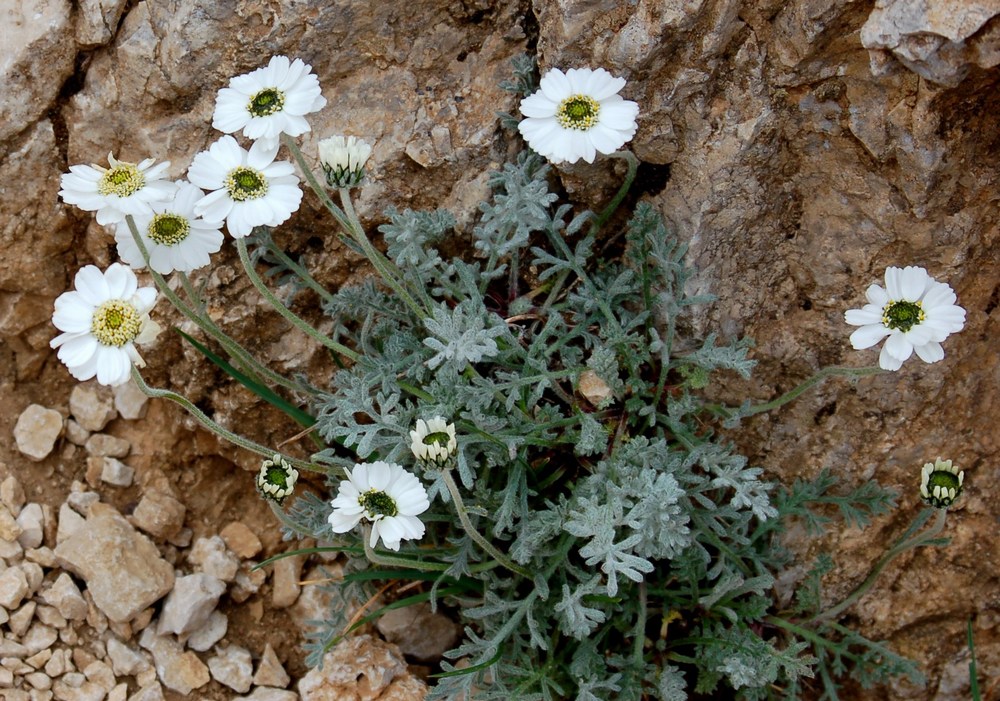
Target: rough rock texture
(794, 171)
(361, 668)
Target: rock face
(798, 147)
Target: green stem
(832, 371)
(898, 549)
(234, 349)
(303, 274)
(392, 561)
(463, 516)
(297, 322)
(212, 426)
(320, 191)
(608, 212)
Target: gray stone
(270, 671)
(285, 581)
(13, 587)
(97, 22)
(265, 693)
(248, 582)
(75, 433)
(21, 619)
(241, 540)
(10, 531)
(180, 671)
(149, 692)
(66, 598)
(122, 568)
(211, 632)
(101, 674)
(233, 667)
(39, 637)
(31, 520)
(37, 430)
(11, 493)
(91, 406)
(130, 401)
(190, 603)
(104, 445)
(70, 523)
(159, 514)
(126, 661)
(358, 667)
(117, 473)
(211, 556)
(86, 691)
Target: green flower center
(245, 183)
(115, 323)
(439, 438)
(944, 479)
(902, 315)
(123, 180)
(578, 112)
(378, 503)
(168, 229)
(276, 475)
(266, 102)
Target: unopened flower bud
(276, 479)
(940, 483)
(343, 159)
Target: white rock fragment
(286, 590)
(12, 648)
(70, 523)
(180, 671)
(130, 401)
(116, 472)
(248, 582)
(211, 556)
(21, 619)
(64, 690)
(100, 673)
(190, 603)
(37, 430)
(270, 671)
(149, 692)
(66, 598)
(75, 433)
(211, 632)
(104, 445)
(159, 514)
(265, 693)
(119, 693)
(241, 540)
(6, 680)
(233, 667)
(91, 406)
(39, 637)
(38, 680)
(13, 587)
(59, 663)
(34, 574)
(11, 493)
(31, 521)
(10, 531)
(50, 616)
(126, 661)
(122, 568)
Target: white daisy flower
(175, 238)
(276, 479)
(343, 159)
(248, 188)
(124, 188)
(577, 114)
(914, 310)
(102, 320)
(385, 494)
(268, 101)
(433, 441)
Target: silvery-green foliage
(651, 544)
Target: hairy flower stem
(470, 530)
(831, 371)
(212, 426)
(303, 274)
(633, 167)
(393, 561)
(291, 317)
(901, 546)
(249, 364)
(349, 222)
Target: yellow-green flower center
(276, 475)
(943, 478)
(168, 229)
(377, 503)
(244, 183)
(266, 102)
(902, 315)
(123, 180)
(115, 323)
(439, 438)
(578, 112)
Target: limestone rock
(190, 603)
(115, 472)
(13, 587)
(31, 521)
(66, 598)
(270, 671)
(266, 693)
(241, 540)
(130, 402)
(70, 523)
(37, 430)
(940, 41)
(123, 569)
(285, 580)
(233, 667)
(419, 633)
(210, 632)
(98, 21)
(361, 667)
(211, 556)
(180, 671)
(12, 493)
(159, 514)
(92, 406)
(104, 445)
(125, 660)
